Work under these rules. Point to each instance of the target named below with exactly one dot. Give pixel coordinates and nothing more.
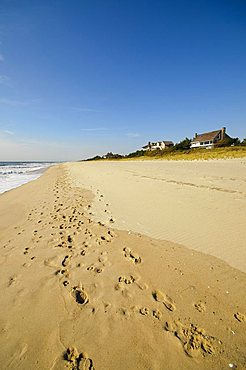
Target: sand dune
(78, 294)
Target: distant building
(161, 145)
(209, 139)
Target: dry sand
(199, 204)
(78, 294)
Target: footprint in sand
(103, 258)
(157, 314)
(63, 272)
(163, 298)
(240, 317)
(69, 239)
(103, 239)
(124, 312)
(111, 233)
(98, 270)
(78, 361)
(193, 338)
(94, 268)
(107, 306)
(90, 268)
(80, 295)
(132, 256)
(144, 311)
(86, 244)
(66, 261)
(12, 280)
(200, 306)
(123, 279)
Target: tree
(228, 141)
(111, 155)
(183, 145)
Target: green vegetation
(228, 148)
(182, 145)
(109, 155)
(198, 154)
(96, 158)
(228, 141)
(138, 153)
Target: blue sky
(84, 77)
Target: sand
(199, 204)
(80, 293)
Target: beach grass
(191, 154)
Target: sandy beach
(199, 204)
(125, 265)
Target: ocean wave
(14, 174)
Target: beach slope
(79, 293)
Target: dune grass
(194, 154)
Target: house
(209, 139)
(161, 145)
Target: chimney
(196, 135)
(223, 133)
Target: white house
(161, 145)
(208, 139)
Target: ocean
(14, 174)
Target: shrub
(138, 153)
(183, 145)
(228, 141)
(111, 155)
(96, 158)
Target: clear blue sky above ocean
(84, 77)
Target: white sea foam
(14, 174)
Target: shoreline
(88, 287)
(38, 173)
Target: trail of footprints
(75, 221)
(78, 361)
(66, 225)
(193, 338)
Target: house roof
(207, 136)
(167, 142)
